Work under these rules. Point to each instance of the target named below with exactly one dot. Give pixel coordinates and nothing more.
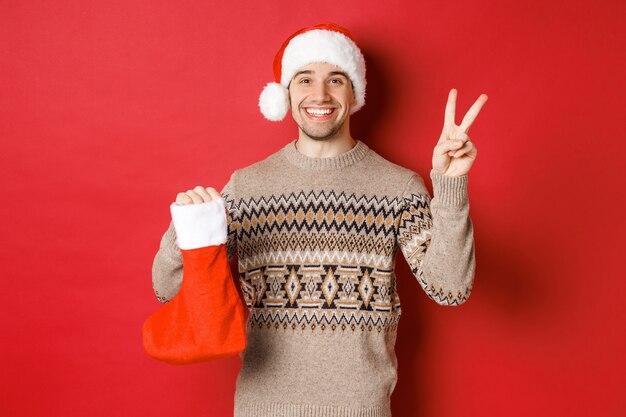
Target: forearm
(447, 270)
(167, 268)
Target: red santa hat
(326, 42)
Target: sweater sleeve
(167, 267)
(436, 237)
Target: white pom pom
(274, 102)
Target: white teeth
(319, 112)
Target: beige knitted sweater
(316, 241)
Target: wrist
(448, 189)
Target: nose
(320, 92)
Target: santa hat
(326, 42)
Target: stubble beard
(321, 135)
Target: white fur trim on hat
(274, 102)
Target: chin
(322, 135)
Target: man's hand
(198, 195)
(455, 153)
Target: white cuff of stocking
(199, 225)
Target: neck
(324, 148)
(344, 160)
(327, 147)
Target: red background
(108, 109)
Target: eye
(336, 81)
(304, 81)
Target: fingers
(183, 198)
(453, 144)
(448, 146)
(467, 148)
(471, 114)
(450, 109)
(203, 194)
(213, 193)
(198, 195)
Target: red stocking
(205, 320)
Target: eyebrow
(308, 72)
(339, 73)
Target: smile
(319, 113)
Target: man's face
(321, 96)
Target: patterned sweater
(316, 241)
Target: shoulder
(259, 169)
(405, 180)
(392, 168)
(241, 175)
(263, 165)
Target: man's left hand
(455, 153)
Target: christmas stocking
(205, 320)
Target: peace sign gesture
(455, 153)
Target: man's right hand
(198, 195)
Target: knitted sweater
(316, 240)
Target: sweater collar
(342, 160)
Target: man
(316, 227)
